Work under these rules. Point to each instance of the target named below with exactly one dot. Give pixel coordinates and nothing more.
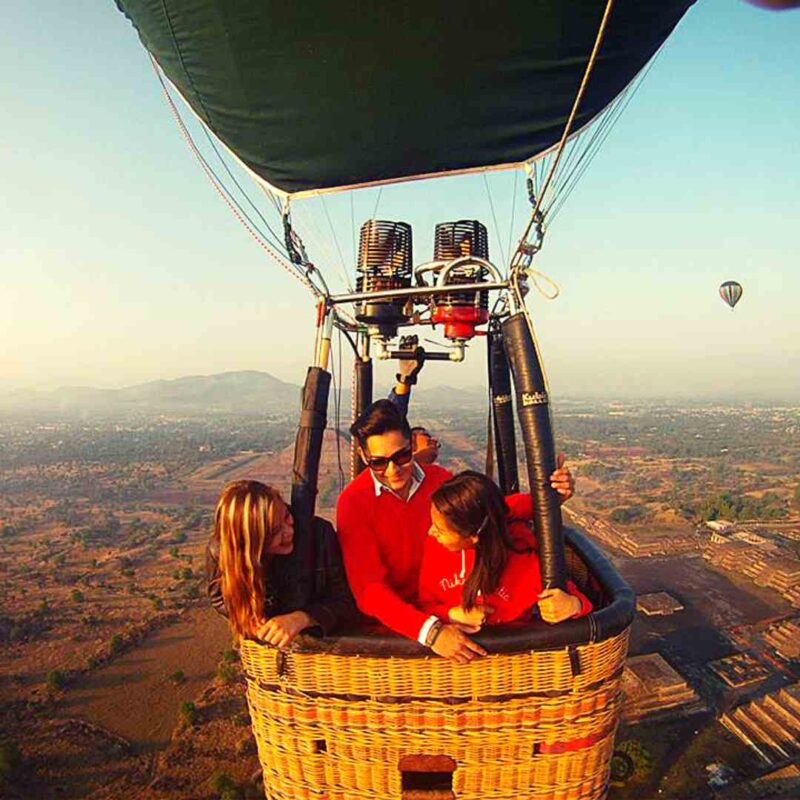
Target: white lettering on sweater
(451, 583)
(457, 580)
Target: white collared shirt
(417, 476)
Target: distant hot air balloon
(731, 292)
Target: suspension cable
(494, 217)
(536, 219)
(220, 188)
(342, 267)
(275, 238)
(619, 109)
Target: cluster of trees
(732, 506)
(625, 515)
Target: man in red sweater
(383, 518)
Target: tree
(56, 680)
(188, 712)
(225, 787)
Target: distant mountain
(241, 392)
(450, 397)
(244, 392)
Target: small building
(769, 725)
(784, 636)
(781, 573)
(658, 604)
(739, 670)
(651, 686)
(752, 538)
(780, 783)
(719, 525)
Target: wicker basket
(377, 718)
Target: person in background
(406, 377)
(480, 562)
(425, 446)
(272, 579)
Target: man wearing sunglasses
(383, 517)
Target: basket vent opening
(426, 777)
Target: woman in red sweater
(480, 562)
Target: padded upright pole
(308, 444)
(502, 413)
(362, 397)
(533, 409)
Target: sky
(120, 264)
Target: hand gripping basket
(377, 717)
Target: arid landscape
(118, 680)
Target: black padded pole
(533, 409)
(362, 397)
(308, 444)
(502, 413)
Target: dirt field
(133, 697)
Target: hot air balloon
(318, 97)
(731, 292)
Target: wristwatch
(406, 380)
(433, 633)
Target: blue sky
(120, 263)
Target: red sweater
(444, 572)
(382, 540)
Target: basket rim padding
(604, 623)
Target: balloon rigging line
(353, 451)
(513, 213)
(342, 267)
(353, 230)
(309, 219)
(565, 135)
(494, 217)
(619, 107)
(308, 216)
(524, 253)
(377, 202)
(337, 404)
(220, 189)
(210, 139)
(535, 275)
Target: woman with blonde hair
(272, 579)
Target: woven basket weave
(537, 724)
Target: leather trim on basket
(612, 618)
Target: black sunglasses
(400, 459)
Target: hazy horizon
(121, 265)
(424, 387)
